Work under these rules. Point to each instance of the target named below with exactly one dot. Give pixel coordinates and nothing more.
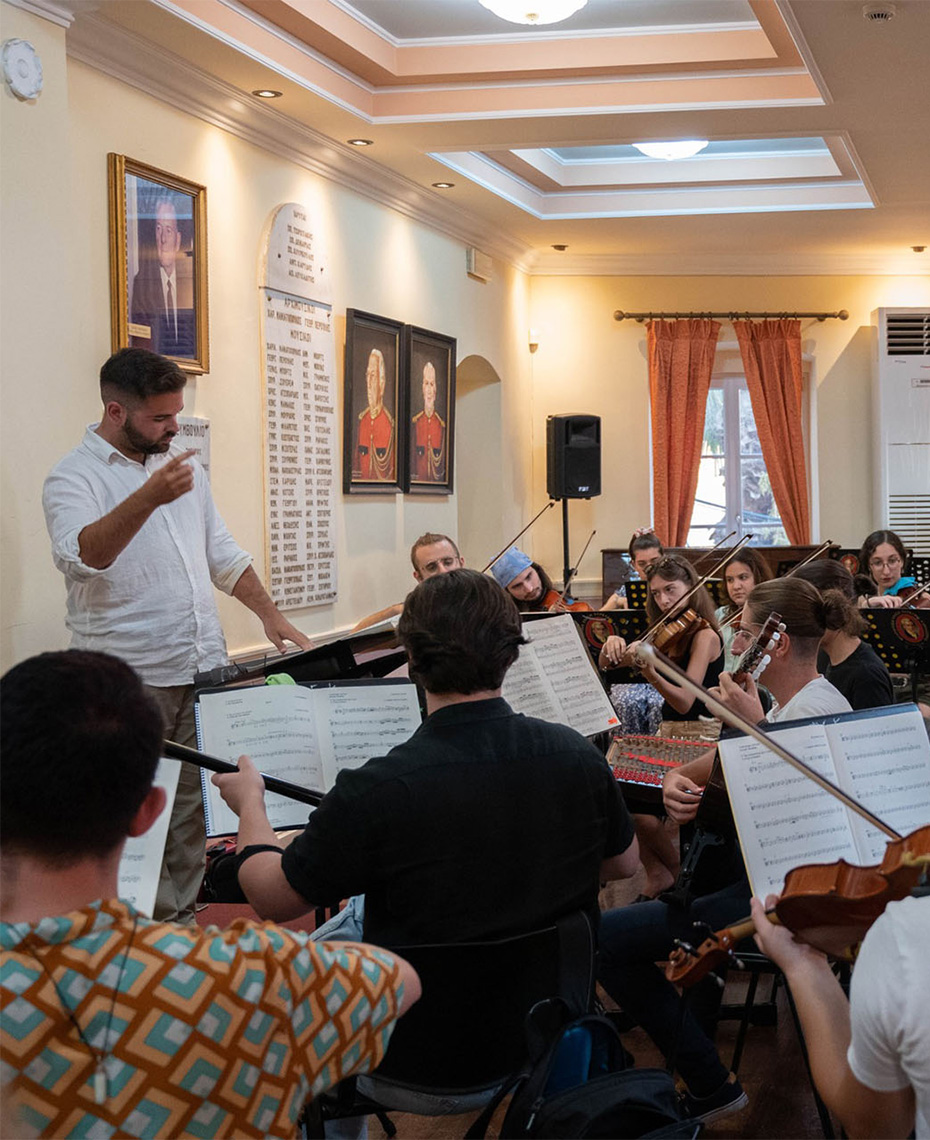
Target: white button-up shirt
(153, 606)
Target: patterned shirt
(214, 1033)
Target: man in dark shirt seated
(484, 824)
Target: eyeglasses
(881, 563)
(743, 632)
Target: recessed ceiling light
(533, 11)
(561, 248)
(443, 185)
(682, 148)
(267, 93)
(360, 142)
(918, 248)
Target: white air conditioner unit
(901, 401)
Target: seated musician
(645, 549)
(634, 938)
(699, 651)
(740, 575)
(484, 824)
(431, 554)
(850, 664)
(870, 1055)
(114, 1024)
(527, 583)
(882, 558)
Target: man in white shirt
(870, 1056)
(136, 534)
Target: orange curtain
(681, 360)
(771, 352)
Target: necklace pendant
(100, 1083)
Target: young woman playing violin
(740, 575)
(634, 938)
(698, 650)
(690, 639)
(882, 559)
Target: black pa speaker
(573, 457)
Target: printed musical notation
(140, 863)
(554, 679)
(880, 757)
(301, 734)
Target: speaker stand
(566, 552)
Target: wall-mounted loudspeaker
(573, 457)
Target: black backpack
(577, 1082)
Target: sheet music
(360, 721)
(140, 864)
(783, 818)
(554, 679)
(884, 763)
(304, 735)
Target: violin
(554, 598)
(828, 905)
(915, 597)
(674, 637)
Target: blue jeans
(632, 939)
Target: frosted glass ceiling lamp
(533, 11)
(684, 148)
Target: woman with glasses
(882, 559)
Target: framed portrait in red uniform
(430, 422)
(374, 442)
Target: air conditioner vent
(909, 518)
(908, 334)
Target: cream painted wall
(588, 362)
(55, 248)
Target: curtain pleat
(771, 352)
(681, 360)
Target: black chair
(465, 1035)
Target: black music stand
(902, 639)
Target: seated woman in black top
(847, 662)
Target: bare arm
(261, 877)
(615, 602)
(101, 542)
(704, 648)
(824, 1013)
(255, 597)
(683, 787)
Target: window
(733, 490)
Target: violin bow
(666, 667)
(714, 549)
(501, 553)
(272, 783)
(574, 570)
(681, 604)
(810, 558)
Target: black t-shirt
(711, 678)
(485, 823)
(862, 678)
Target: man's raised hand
(172, 480)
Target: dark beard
(141, 444)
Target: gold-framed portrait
(158, 263)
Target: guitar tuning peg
(720, 982)
(685, 947)
(736, 961)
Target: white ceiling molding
(717, 264)
(163, 75)
(59, 14)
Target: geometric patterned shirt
(214, 1032)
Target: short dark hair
(133, 374)
(80, 744)
(430, 539)
(461, 631)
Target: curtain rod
(620, 315)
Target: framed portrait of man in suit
(374, 440)
(158, 263)
(430, 423)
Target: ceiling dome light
(533, 11)
(684, 148)
(267, 93)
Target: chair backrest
(467, 1029)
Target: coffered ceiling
(816, 119)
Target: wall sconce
(533, 340)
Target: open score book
(305, 733)
(881, 757)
